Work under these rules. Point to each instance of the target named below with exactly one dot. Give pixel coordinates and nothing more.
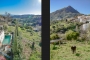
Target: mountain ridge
(65, 12)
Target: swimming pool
(6, 40)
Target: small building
(35, 29)
(85, 26)
(1, 33)
(8, 48)
(83, 18)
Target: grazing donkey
(73, 48)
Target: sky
(82, 6)
(20, 7)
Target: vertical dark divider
(45, 30)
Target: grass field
(63, 52)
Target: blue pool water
(6, 40)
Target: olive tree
(54, 36)
(71, 35)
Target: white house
(84, 18)
(85, 26)
(1, 36)
(1, 33)
(88, 18)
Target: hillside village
(16, 39)
(84, 19)
(5, 43)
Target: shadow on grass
(55, 48)
(77, 54)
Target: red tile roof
(2, 58)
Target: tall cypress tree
(15, 40)
(17, 29)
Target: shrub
(54, 47)
(29, 30)
(23, 28)
(88, 50)
(71, 35)
(54, 36)
(40, 43)
(77, 54)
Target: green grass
(28, 38)
(36, 37)
(25, 34)
(35, 56)
(10, 29)
(63, 52)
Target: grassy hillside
(72, 36)
(25, 40)
(63, 52)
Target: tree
(54, 36)
(33, 45)
(71, 35)
(40, 43)
(87, 21)
(5, 27)
(53, 27)
(15, 42)
(77, 28)
(8, 17)
(16, 27)
(66, 20)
